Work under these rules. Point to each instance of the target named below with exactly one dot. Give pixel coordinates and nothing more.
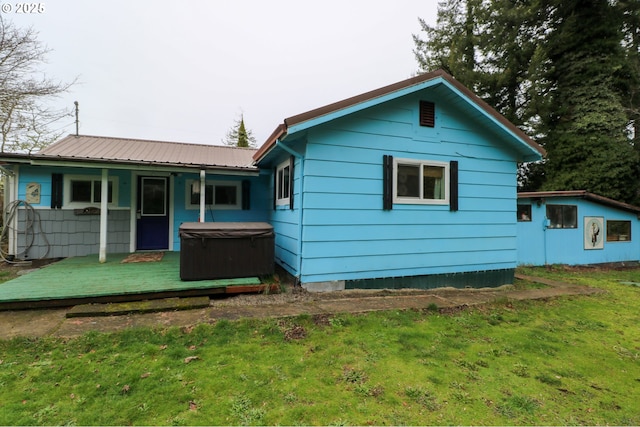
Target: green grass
(566, 361)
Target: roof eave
(44, 160)
(582, 194)
(532, 151)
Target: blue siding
(348, 236)
(42, 176)
(260, 199)
(538, 245)
(182, 213)
(286, 222)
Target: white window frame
(420, 200)
(280, 201)
(236, 184)
(67, 203)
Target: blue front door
(152, 213)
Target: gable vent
(427, 114)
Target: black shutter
(387, 182)
(453, 185)
(246, 195)
(56, 190)
(427, 114)
(292, 161)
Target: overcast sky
(185, 70)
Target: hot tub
(223, 250)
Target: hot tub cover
(224, 230)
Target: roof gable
(439, 79)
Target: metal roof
(147, 152)
(281, 130)
(582, 194)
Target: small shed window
(618, 231)
(562, 216)
(524, 213)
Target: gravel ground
(297, 294)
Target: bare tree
(25, 119)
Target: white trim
(68, 204)
(171, 210)
(104, 189)
(420, 200)
(237, 184)
(283, 200)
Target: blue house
(409, 185)
(576, 227)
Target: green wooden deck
(84, 279)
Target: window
(217, 194)
(83, 191)
(562, 216)
(618, 231)
(524, 213)
(283, 183)
(421, 182)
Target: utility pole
(77, 119)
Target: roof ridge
(160, 141)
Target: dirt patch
(11, 270)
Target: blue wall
(346, 233)
(260, 200)
(538, 245)
(259, 212)
(42, 176)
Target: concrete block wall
(70, 235)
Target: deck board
(85, 278)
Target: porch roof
(138, 152)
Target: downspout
(300, 206)
(203, 179)
(104, 201)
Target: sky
(185, 71)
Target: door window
(154, 197)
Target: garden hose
(32, 222)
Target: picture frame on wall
(594, 232)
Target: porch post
(104, 202)
(203, 178)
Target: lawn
(567, 361)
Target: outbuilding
(575, 228)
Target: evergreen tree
(586, 140)
(488, 46)
(566, 72)
(239, 135)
